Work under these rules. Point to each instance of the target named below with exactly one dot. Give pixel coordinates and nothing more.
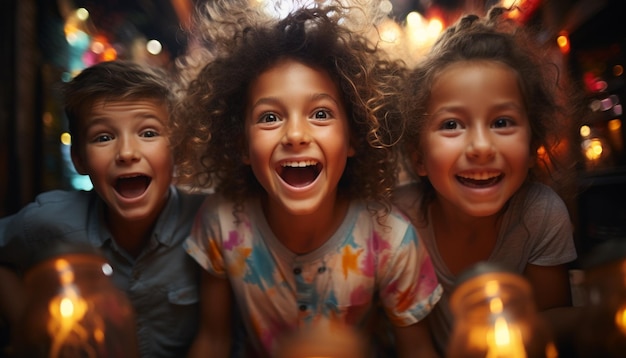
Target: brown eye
(449, 125)
(268, 118)
(502, 123)
(321, 114)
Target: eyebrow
(509, 105)
(313, 97)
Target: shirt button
(321, 269)
(302, 307)
(297, 271)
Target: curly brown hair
(209, 137)
(495, 37)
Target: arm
(214, 334)
(550, 285)
(414, 341)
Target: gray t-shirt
(162, 283)
(536, 229)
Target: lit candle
(505, 341)
(67, 309)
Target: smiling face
(476, 144)
(126, 154)
(298, 137)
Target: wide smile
(299, 173)
(132, 186)
(480, 179)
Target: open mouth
(133, 186)
(299, 173)
(480, 180)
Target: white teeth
(300, 164)
(129, 176)
(479, 176)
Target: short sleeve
(205, 240)
(410, 288)
(554, 235)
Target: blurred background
(47, 42)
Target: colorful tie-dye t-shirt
(363, 263)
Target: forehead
(477, 80)
(291, 74)
(100, 107)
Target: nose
(480, 146)
(127, 150)
(296, 131)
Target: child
(288, 123)
(118, 115)
(479, 107)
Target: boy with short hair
(118, 116)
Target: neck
(132, 236)
(305, 233)
(461, 240)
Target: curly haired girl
(291, 122)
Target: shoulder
(52, 215)
(188, 203)
(216, 212)
(538, 200)
(59, 203)
(393, 227)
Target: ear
(418, 164)
(351, 151)
(245, 155)
(78, 161)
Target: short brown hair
(112, 81)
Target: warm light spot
(97, 47)
(496, 305)
(414, 19)
(551, 351)
(509, 3)
(492, 288)
(593, 149)
(66, 138)
(154, 47)
(620, 319)
(563, 41)
(585, 131)
(66, 277)
(109, 54)
(47, 119)
(61, 265)
(98, 335)
(82, 14)
(66, 307)
(618, 70)
(541, 151)
(435, 26)
(502, 336)
(615, 124)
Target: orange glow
(109, 54)
(563, 41)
